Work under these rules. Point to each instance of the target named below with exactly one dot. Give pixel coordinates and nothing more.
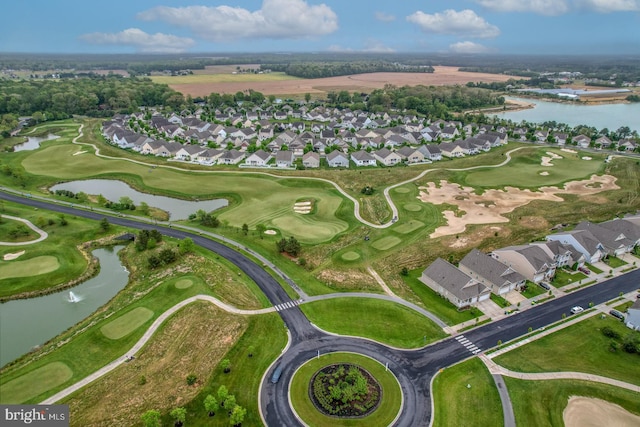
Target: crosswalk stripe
(460, 337)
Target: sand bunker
(587, 158)
(302, 204)
(545, 173)
(270, 232)
(568, 150)
(546, 161)
(302, 208)
(79, 152)
(9, 257)
(492, 204)
(589, 412)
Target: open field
(177, 350)
(38, 381)
(202, 78)
(379, 320)
(31, 267)
(542, 403)
(382, 416)
(127, 323)
(359, 82)
(557, 352)
(455, 404)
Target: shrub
(607, 331)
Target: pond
(600, 116)
(113, 190)
(28, 323)
(33, 142)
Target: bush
(191, 379)
(607, 331)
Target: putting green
(184, 283)
(409, 226)
(29, 267)
(350, 256)
(260, 199)
(127, 323)
(412, 207)
(383, 415)
(386, 243)
(34, 383)
(401, 190)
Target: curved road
(414, 369)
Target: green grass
(500, 301)
(615, 262)
(125, 324)
(350, 256)
(184, 283)
(29, 267)
(386, 243)
(532, 290)
(38, 381)
(524, 170)
(409, 227)
(564, 277)
(382, 416)
(541, 403)
(8, 225)
(581, 348)
(383, 321)
(593, 268)
(222, 78)
(433, 302)
(456, 404)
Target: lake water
(33, 142)
(113, 190)
(611, 116)
(27, 323)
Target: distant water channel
(27, 323)
(33, 142)
(113, 190)
(611, 116)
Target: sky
(438, 26)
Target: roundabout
(345, 388)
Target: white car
(577, 309)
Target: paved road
(414, 369)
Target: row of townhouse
(582, 141)
(506, 269)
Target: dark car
(617, 314)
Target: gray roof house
(337, 159)
(491, 272)
(633, 316)
(614, 242)
(231, 157)
(311, 159)
(629, 227)
(411, 155)
(529, 260)
(387, 157)
(564, 255)
(362, 158)
(456, 286)
(582, 240)
(259, 158)
(284, 159)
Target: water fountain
(73, 297)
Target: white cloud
(468, 47)
(464, 23)
(384, 17)
(276, 19)
(607, 6)
(143, 42)
(542, 7)
(376, 47)
(339, 48)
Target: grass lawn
(433, 302)
(532, 290)
(593, 268)
(615, 262)
(456, 404)
(524, 170)
(125, 324)
(15, 231)
(29, 267)
(500, 301)
(564, 277)
(379, 320)
(382, 416)
(541, 403)
(35, 382)
(581, 348)
(222, 78)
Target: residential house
(603, 142)
(563, 255)
(188, 152)
(259, 159)
(529, 260)
(615, 242)
(629, 226)
(451, 149)
(362, 158)
(431, 152)
(387, 157)
(208, 157)
(582, 141)
(541, 135)
(284, 159)
(584, 241)
(560, 138)
(449, 132)
(411, 155)
(454, 285)
(231, 157)
(633, 316)
(311, 159)
(337, 159)
(490, 272)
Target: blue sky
(457, 26)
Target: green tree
(179, 414)
(151, 418)
(230, 402)
(261, 228)
(245, 229)
(251, 350)
(226, 365)
(211, 405)
(237, 416)
(104, 224)
(187, 246)
(191, 379)
(223, 392)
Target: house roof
(610, 239)
(490, 268)
(335, 154)
(454, 280)
(362, 156)
(535, 255)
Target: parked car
(585, 270)
(544, 285)
(576, 309)
(617, 314)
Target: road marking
(287, 304)
(466, 343)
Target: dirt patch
(270, 232)
(590, 412)
(9, 257)
(443, 76)
(490, 206)
(177, 351)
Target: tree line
(314, 70)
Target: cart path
(43, 234)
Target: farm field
(360, 82)
(202, 78)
